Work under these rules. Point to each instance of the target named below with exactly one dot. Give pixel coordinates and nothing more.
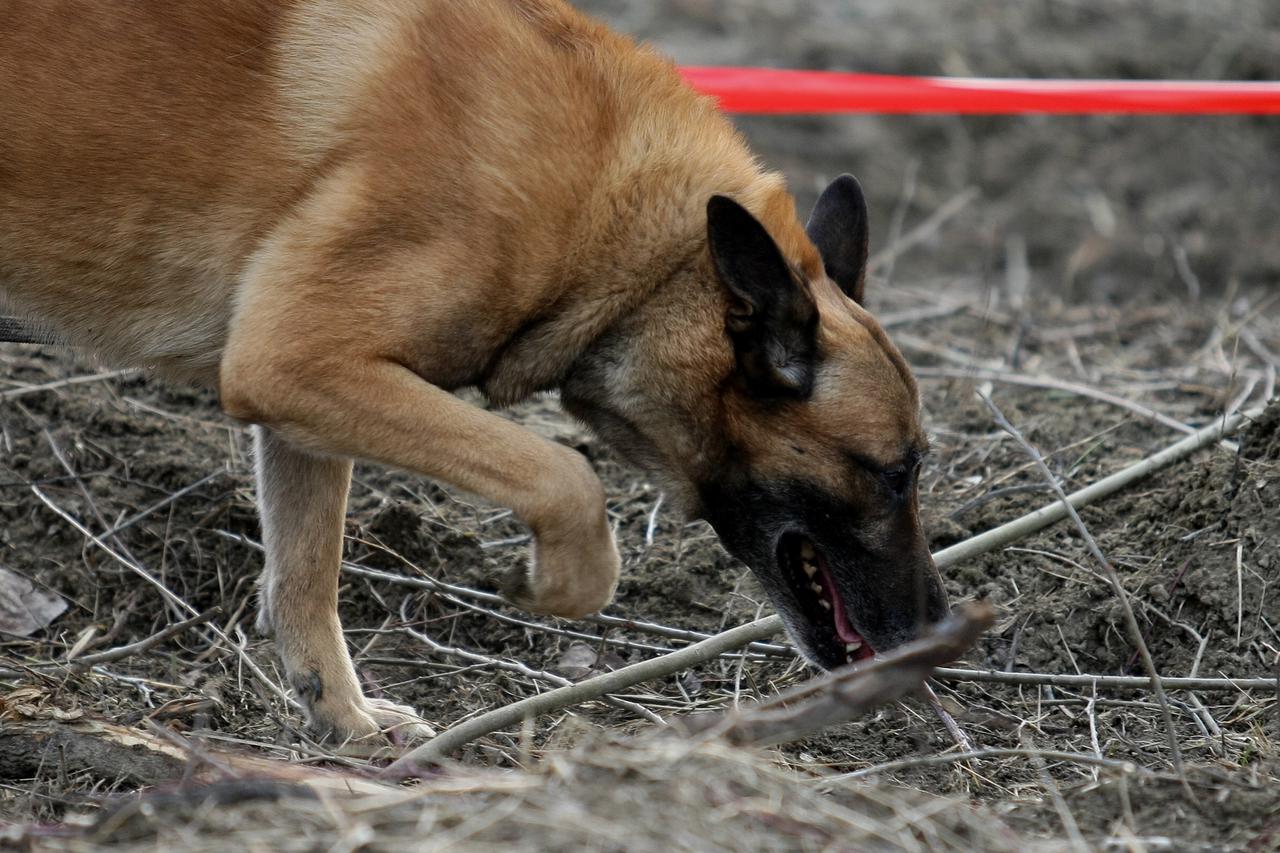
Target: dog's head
(790, 422)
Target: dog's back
(151, 147)
(138, 161)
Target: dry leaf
(577, 661)
(24, 609)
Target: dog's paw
(373, 722)
(550, 587)
(525, 589)
(399, 722)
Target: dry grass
(141, 658)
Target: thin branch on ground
(993, 752)
(147, 643)
(451, 739)
(1131, 621)
(527, 671)
(1234, 685)
(948, 722)
(1052, 384)
(456, 593)
(25, 390)
(922, 232)
(1052, 513)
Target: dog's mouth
(818, 598)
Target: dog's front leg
(302, 499)
(332, 394)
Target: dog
(337, 212)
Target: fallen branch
(528, 672)
(31, 746)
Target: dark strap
(17, 331)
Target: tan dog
(335, 211)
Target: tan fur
(336, 212)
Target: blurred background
(1114, 207)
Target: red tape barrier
(779, 91)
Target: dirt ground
(1131, 255)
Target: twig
(426, 582)
(899, 216)
(1131, 621)
(924, 230)
(1050, 383)
(994, 752)
(15, 393)
(528, 672)
(147, 642)
(915, 315)
(161, 504)
(1115, 681)
(948, 722)
(1047, 782)
(1056, 511)
(653, 521)
(837, 695)
(446, 742)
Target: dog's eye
(897, 479)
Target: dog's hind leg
(303, 501)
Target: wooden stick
(833, 693)
(449, 740)
(994, 752)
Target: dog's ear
(772, 318)
(838, 227)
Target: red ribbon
(778, 91)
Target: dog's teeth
(810, 569)
(848, 658)
(816, 587)
(853, 647)
(826, 605)
(806, 551)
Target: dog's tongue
(844, 630)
